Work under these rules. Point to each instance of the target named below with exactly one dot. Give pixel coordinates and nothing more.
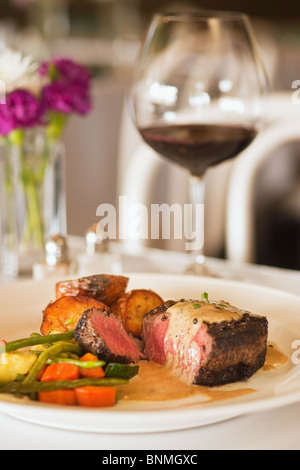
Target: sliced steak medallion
(101, 332)
(205, 343)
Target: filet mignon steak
(101, 332)
(206, 343)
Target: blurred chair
(283, 128)
(230, 201)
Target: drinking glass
(197, 92)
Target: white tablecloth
(278, 429)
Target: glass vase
(32, 199)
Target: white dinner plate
(21, 314)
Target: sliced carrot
(59, 397)
(62, 371)
(88, 357)
(97, 373)
(96, 397)
(92, 373)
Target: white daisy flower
(18, 71)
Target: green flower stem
(56, 126)
(34, 225)
(10, 239)
(32, 180)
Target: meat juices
(205, 343)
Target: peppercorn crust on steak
(205, 343)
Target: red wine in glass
(197, 147)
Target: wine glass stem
(197, 199)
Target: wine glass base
(197, 270)
(199, 267)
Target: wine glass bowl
(197, 91)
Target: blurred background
(105, 35)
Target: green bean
(122, 371)
(35, 340)
(62, 356)
(71, 356)
(81, 364)
(39, 336)
(35, 387)
(50, 353)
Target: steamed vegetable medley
(54, 369)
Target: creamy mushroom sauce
(159, 383)
(156, 383)
(275, 358)
(210, 312)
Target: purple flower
(69, 91)
(22, 110)
(67, 71)
(67, 99)
(73, 73)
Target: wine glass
(197, 92)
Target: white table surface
(277, 429)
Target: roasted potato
(103, 287)
(63, 314)
(133, 306)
